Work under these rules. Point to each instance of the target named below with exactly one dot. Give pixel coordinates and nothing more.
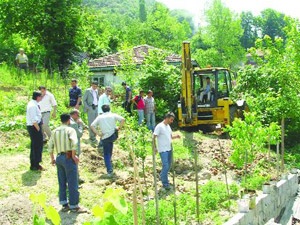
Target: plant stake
(173, 172)
(155, 185)
(197, 185)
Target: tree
(142, 11)
(272, 23)
(54, 24)
(272, 86)
(249, 25)
(222, 36)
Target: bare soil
(16, 208)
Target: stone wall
(269, 206)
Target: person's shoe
(167, 188)
(78, 210)
(80, 181)
(34, 168)
(41, 168)
(65, 208)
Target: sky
(196, 7)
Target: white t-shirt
(164, 137)
(107, 123)
(47, 102)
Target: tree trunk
(282, 144)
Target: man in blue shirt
(127, 103)
(75, 95)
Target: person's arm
(94, 126)
(50, 149)
(129, 96)
(121, 124)
(78, 103)
(175, 136)
(34, 118)
(74, 141)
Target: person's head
(37, 95)
(141, 93)
(108, 90)
(42, 90)
(150, 93)
(169, 118)
(105, 108)
(21, 50)
(65, 118)
(124, 84)
(207, 80)
(75, 114)
(94, 85)
(73, 82)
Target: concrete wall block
(235, 220)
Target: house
(103, 69)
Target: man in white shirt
(34, 128)
(163, 134)
(104, 99)
(47, 103)
(90, 102)
(107, 124)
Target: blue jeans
(150, 117)
(166, 159)
(67, 172)
(141, 115)
(107, 154)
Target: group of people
(64, 141)
(145, 106)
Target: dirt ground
(16, 208)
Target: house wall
(106, 78)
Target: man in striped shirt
(64, 141)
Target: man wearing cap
(128, 94)
(90, 102)
(47, 103)
(22, 60)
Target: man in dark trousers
(34, 127)
(128, 94)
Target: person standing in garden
(139, 102)
(150, 109)
(47, 103)
(75, 95)
(90, 102)
(128, 94)
(64, 141)
(22, 60)
(78, 125)
(163, 134)
(107, 124)
(104, 99)
(34, 128)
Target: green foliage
(249, 137)
(50, 211)
(113, 202)
(213, 193)
(254, 182)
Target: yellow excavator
(204, 102)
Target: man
(90, 101)
(150, 109)
(163, 133)
(107, 124)
(22, 60)
(104, 99)
(128, 94)
(206, 90)
(75, 95)
(34, 128)
(46, 104)
(64, 141)
(78, 125)
(140, 106)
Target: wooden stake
(197, 185)
(173, 172)
(155, 186)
